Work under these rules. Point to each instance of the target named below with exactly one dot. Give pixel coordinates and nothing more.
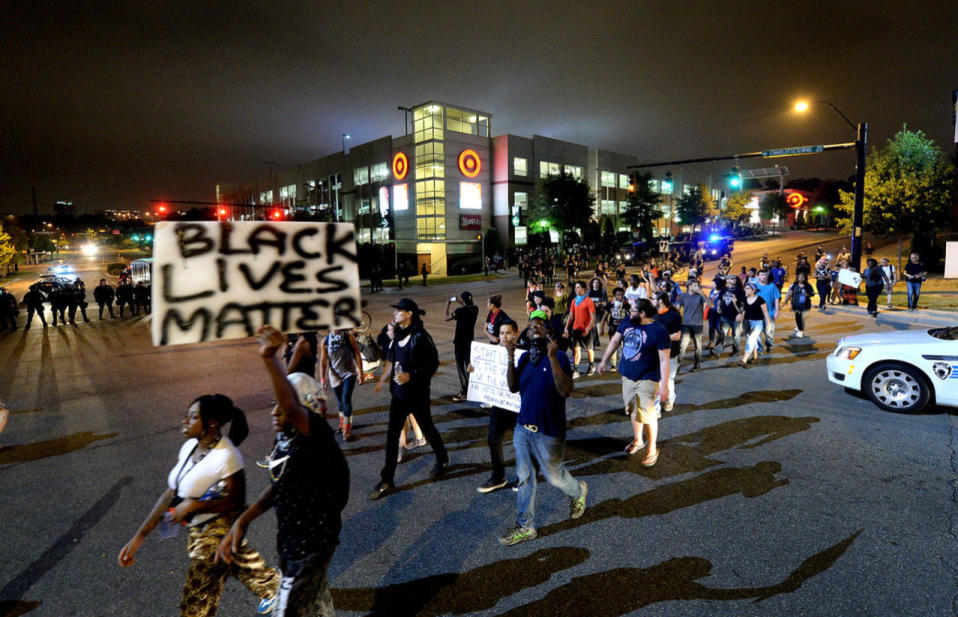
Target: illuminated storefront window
(519, 166)
(430, 160)
(427, 123)
(400, 197)
(548, 169)
(468, 122)
(470, 195)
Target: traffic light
(276, 214)
(667, 182)
(632, 182)
(735, 178)
(162, 209)
(221, 213)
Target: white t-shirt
(194, 480)
(636, 293)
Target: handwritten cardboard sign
(222, 280)
(487, 382)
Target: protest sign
(487, 382)
(222, 280)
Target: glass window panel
(608, 179)
(519, 166)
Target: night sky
(111, 104)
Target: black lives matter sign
(215, 280)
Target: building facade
(433, 193)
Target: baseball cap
(408, 305)
(538, 315)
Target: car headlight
(714, 251)
(849, 353)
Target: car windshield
(945, 334)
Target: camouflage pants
(205, 579)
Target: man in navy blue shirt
(644, 366)
(544, 380)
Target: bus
(141, 270)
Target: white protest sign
(222, 280)
(849, 277)
(487, 382)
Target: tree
(735, 208)
(608, 234)
(907, 189)
(772, 205)
(7, 250)
(692, 208)
(643, 207)
(564, 201)
(492, 242)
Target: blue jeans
(914, 289)
(756, 328)
(344, 395)
(547, 452)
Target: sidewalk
(921, 317)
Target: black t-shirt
(672, 320)
(599, 298)
(493, 323)
(730, 302)
(798, 290)
(753, 311)
(466, 317)
(803, 267)
(310, 480)
(912, 271)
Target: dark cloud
(110, 104)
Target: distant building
(433, 191)
(64, 208)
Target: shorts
(639, 398)
(582, 338)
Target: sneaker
(342, 423)
(382, 489)
(575, 374)
(418, 443)
(438, 470)
(491, 485)
(486, 405)
(799, 334)
(266, 606)
(516, 535)
(514, 485)
(401, 451)
(591, 370)
(577, 507)
(459, 397)
(348, 432)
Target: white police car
(899, 371)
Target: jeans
(728, 327)
(873, 291)
(398, 410)
(714, 319)
(673, 370)
(462, 367)
(800, 320)
(547, 452)
(500, 421)
(344, 395)
(690, 334)
(769, 331)
(914, 290)
(755, 329)
(824, 289)
(304, 590)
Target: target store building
(434, 192)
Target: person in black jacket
(413, 361)
(34, 301)
(124, 296)
(141, 295)
(8, 310)
(78, 301)
(59, 297)
(103, 294)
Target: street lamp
(861, 146)
(346, 137)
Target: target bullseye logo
(796, 200)
(400, 165)
(469, 163)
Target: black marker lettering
(277, 241)
(168, 286)
(345, 308)
(221, 274)
(297, 243)
(290, 278)
(192, 239)
(334, 284)
(334, 246)
(253, 283)
(173, 316)
(309, 319)
(223, 320)
(226, 231)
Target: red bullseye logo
(796, 200)
(469, 163)
(400, 165)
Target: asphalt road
(776, 493)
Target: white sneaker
(799, 334)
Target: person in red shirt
(578, 328)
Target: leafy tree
(608, 234)
(492, 242)
(564, 201)
(735, 208)
(692, 208)
(7, 249)
(772, 205)
(907, 189)
(42, 243)
(643, 207)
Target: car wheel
(897, 387)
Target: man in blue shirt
(543, 378)
(644, 366)
(771, 294)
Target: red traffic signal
(276, 215)
(161, 208)
(221, 212)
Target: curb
(919, 317)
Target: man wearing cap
(413, 361)
(465, 317)
(543, 380)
